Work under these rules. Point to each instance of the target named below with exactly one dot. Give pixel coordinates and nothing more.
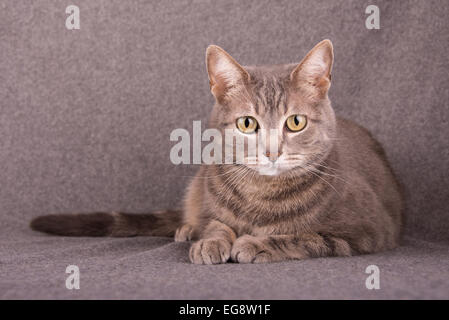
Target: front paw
(210, 251)
(249, 249)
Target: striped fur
(341, 200)
(114, 224)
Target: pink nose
(273, 156)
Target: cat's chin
(270, 170)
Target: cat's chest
(284, 207)
(256, 225)
(260, 213)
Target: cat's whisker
(329, 174)
(229, 183)
(208, 177)
(336, 170)
(295, 177)
(243, 175)
(235, 173)
(301, 154)
(232, 176)
(317, 175)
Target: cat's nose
(273, 156)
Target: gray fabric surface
(157, 268)
(85, 118)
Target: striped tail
(101, 224)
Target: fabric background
(85, 118)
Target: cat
(327, 191)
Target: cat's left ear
(315, 69)
(226, 76)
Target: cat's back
(362, 158)
(356, 143)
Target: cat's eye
(296, 122)
(247, 124)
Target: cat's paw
(210, 251)
(184, 233)
(249, 249)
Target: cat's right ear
(226, 76)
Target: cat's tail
(101, 224)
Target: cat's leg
(184, 233)
(214, 246)
(250, 249)
(192, 210)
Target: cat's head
(292, 99)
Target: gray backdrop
(85, 116)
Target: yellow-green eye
(296, 122)
(247, 124)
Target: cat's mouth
(266, 167)
(271, 168)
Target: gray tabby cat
(328, 191)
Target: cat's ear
(226, 76)
(314, 71)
